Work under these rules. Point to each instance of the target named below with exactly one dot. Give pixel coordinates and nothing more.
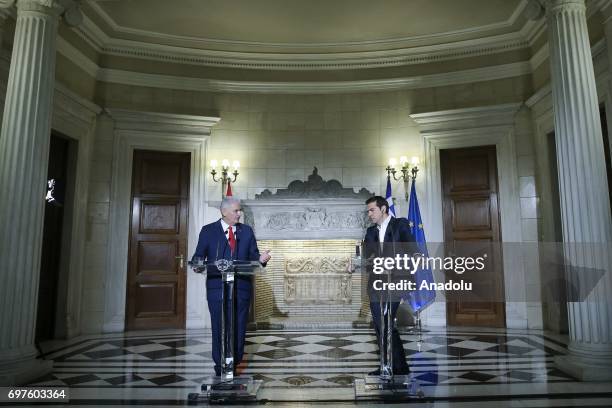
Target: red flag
(229, 189)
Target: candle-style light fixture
(225, 173)
(408, 172)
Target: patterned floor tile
(167, 379)
(279, 354)
(123, 379)
(97, 355)
(312, 338)
(307, 361)
(336, 353)
(164, 353)
(341, 379)
(477, 376)
(299, 380)
(311, 348)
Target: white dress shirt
(225, 227)
(382, 229)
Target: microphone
(237, 238)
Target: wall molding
(153, 131)
(75, 117)
(489, 125)
(214, 85)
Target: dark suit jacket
(398, 240)
(398, 230)
(213, 245)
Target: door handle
(181, 261)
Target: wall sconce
(225, 173)
(408, 173)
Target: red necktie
(232, 240)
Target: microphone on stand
(236, 238)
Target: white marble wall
(280, 138)
(97, 239)
(530, 216)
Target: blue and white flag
(389, 198)
(419, 299)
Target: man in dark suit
(228, 239)
(379, 242)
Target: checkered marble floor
(453, 367)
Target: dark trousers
(241, 309)
(399, 356)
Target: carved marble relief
(312, 209)
(317, 280)
(313, 219)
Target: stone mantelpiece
(311, 227)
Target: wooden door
(158, 238)
(471, 218)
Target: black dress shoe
(405, 371)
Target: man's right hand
(265, 256)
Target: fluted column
(585, 206)
(24, 154)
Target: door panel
(471, 216)
(158, 238)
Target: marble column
(24, 154)
(583, 189)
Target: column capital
(69, 9)
(49, 7)
(559, 6)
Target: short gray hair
(228, 201)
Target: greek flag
(389, 197)
(419, 299)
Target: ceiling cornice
(306, 62)
(214, 85)
(377, 85)
(405, 51)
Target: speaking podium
(227, 387)
(387, 385)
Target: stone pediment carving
(313, 219)
(312, 209)
(314, 187)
